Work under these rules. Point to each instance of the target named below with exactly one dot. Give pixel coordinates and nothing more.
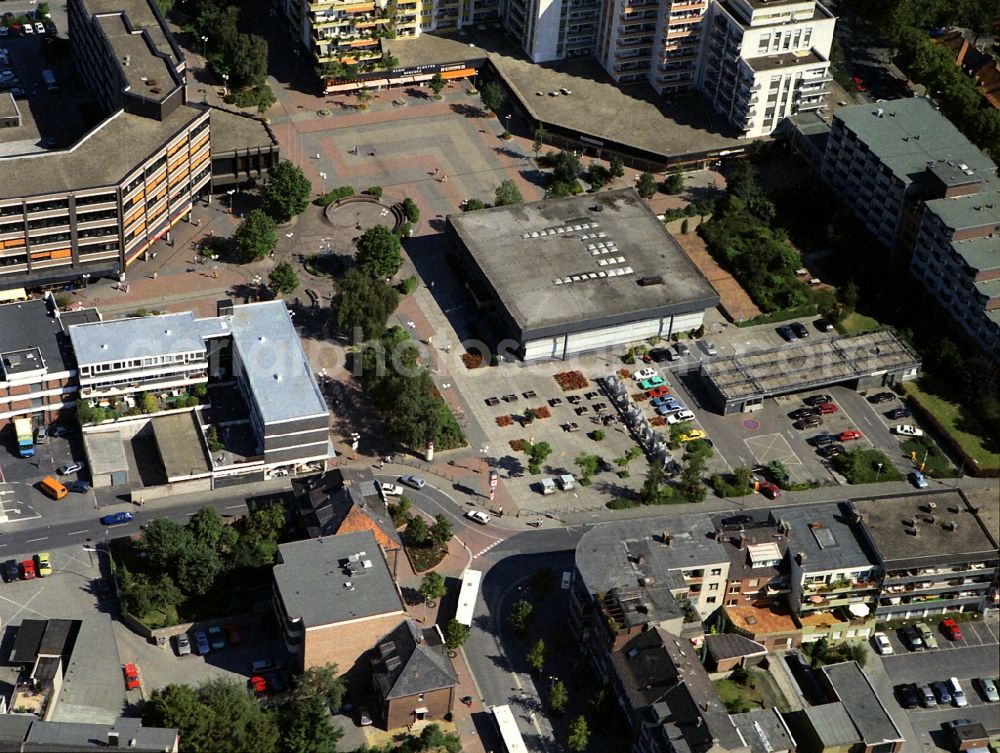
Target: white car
(643, 374)
(28, 29)
(882, 644)
(391, 490)
(907, 430)
(479, 516)
(39, 28)
(681, 415)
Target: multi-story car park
(93, 208)
(566, 276)
(935, 554)
(926, 191)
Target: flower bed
(504, 421)
(542, 412)
(472, 360)
(518, 445)
(571, 380)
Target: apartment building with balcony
(550, 30)
(764, 60)
(37, 369)
(933, 551)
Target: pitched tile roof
(410, 661)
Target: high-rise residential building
(553, 29)
(764, 60)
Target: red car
(844, 436)
(660, 391)
(825, 408)
(258, 685)
(28, 569)
(131, 676)
(858, 83)
(769, 490)
(951, 629)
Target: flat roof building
(333, 596)
(566, 276)
(850, 686)
(741, 382)
(935, 553)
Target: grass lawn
(425, 557)
(738, 698)
(854, 323)
(860, 466)
(951, 416)
(936, 464)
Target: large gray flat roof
(806, 365)
(179, 443)
(558, 261)
(103, 157)
(824, 534)
(93, 691)
(312, 573)
(149, 72)
(603, 554)
(28, 325)
(237, 130)
(833, 724)
(862, 703)
(134, 337)
(910, 134)
(105, 452)
(274, 363)
(886, 521)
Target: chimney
(743, 540)
(420, 637)
(667, 538)
(800, 557)
(112, 738)
(950, 525)
(913, 531)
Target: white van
(957, 694)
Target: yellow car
(44, 565)
(693, 435)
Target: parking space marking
(32, 541)
(74, 533)
(770, 447)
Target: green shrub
(404, 230)
(622, 504)
(408, 285)
(335, 195)
(375, 191)
(411, 209)
(597, 435)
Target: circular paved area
(350, 219)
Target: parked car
(652, 382)
(823, 324)
(68, 468)
(201, 644)
(131, 676)
(670, 403)
(957, 693)
(810, 422)
(41, 435)
(897, 413)
(692, 435)
(951, 629)
(28, 570)
(661, 391)
(881, 397)
(882, 644)
(942, 692)
(926, 635)
(117, 519)
(261, 665)
(786, 333)
(258, 686)
(908, 696)
(800, 413)
(659, 355)
(817, 399)
(678, 416)
(39, 28)
(11, 572)
(391, 490)
(413, 481)
(478, 516)
(989, 689)
(850, 434)
(233, 635)
(642, 374)
(44, 564)
(907, 430)
(823, 439)
(215, 638)
(826, 409)
(831, 451)
(799, 329)
(918, 479)
(769, 490)
(682, 349)
(183, 644)
(666, 408)
(927, 699)
(709, 347)
(27, 29)
(80, 487)
(911, 638)
(105, 591)
(656, 402)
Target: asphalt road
(926, 666)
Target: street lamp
(877, 472)
(230, 193)
(508, 122)
(225, 84)
(204, 47)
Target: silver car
(414, 481)
(183, 644)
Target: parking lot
(20, 476)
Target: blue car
(666, 408)
(656, 402)
(215, 638)
(201, 643)
(918, 479)
(117, 519)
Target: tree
(588, 464)
(379, 252)
(536, 145)
(630, 454)
(537, 453)
(165, 540)
(306, 727)
(266, 521)
(674, 183)
(455, 634)
(493, 96)
(578, 735)
(434, 740)
(441, 531)
(520, 615)
(471, 205)
(363, 302)
(247, 64)
(437, 84)
(616, 167)
(650, 492)
(685, 227)
(196, 569)
(507, 193)
(416, 530)
(282, 279)
(646, 185)
(598, 176)
(256, 236)
(208, 528)
(147, 402)
(432, 586)
(536, 656)
(321, 682)
(286, 192)
(558, 698)
(411, 210)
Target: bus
(25, 437)
(510, 736)
(467, 596)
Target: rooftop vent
(880, 113)
(167, 332)
(650, 280)
(104, 346)
(950, 525)
(348, 585)
(913, 531)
